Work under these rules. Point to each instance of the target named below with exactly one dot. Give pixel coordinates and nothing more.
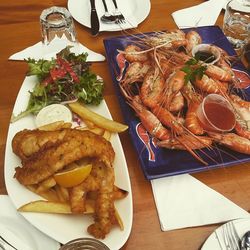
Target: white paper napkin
(203, 14)
(19, 232)
(182, 201)
(39, 51)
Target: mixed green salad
(64, 79)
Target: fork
(118, 14)
(107, 17)
(230, 236)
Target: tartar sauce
(53, 113)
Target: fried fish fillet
(28, 142)
(43, 153)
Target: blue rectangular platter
(160, 162)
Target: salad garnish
(64, 79)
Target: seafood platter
(161, 79)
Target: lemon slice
(53, 113)
(73, 177)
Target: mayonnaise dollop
(53, 113)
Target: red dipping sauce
(216, 114)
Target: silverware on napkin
(5, 245)
(94, 21)
(11, 240)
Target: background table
(19, 28)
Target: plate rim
(213, 236)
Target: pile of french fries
(56, 198)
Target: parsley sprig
(193, 69)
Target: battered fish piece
(43, 153)
(28, 142)
(101, 180)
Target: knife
(12, 240)
(94, 21)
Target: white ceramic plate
(15, 223)
(135, 11)
(216, 241)
(225, 3)
(64, 228)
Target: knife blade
(94, 20)
(12, 240)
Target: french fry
(98, 120)
(49, 195)
(55, 126)
(119, 220)
(89, 124)
(118, 194)
(46, 185)
(107, 135)
(97, 130)
(60, 194)
(41, 206)
(89, 207)
(64, 192)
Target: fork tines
(120, 19)
(230, 236)
(118, 14)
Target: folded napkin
(39, 51)
(19, 232)
(182, 201)
(203, 14)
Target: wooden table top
(19, 28)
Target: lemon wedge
(72, 177)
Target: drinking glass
(84, 244)
(236, 25)
(246, 54)
(58, 30)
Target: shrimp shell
(219, 73)
(210, 85)
(191, 121)
(193, 39)
(232, 141)
(152, 88)
(150, 122)
(133, 53)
